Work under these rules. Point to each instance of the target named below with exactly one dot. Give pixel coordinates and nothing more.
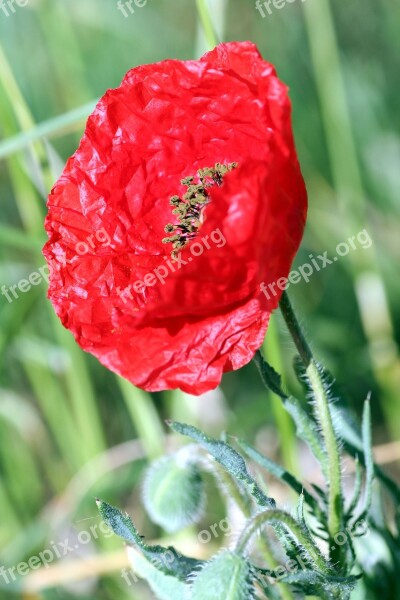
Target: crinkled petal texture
(161, 323)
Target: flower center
(189, 209)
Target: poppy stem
(282, 517)
(324, 416)
(295, 330)
(272, 351)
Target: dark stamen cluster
(189, 208)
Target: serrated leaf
(172, 510)
(320, 493)
(300, 512)
(305, 424)
(357, 491)
(368, 456)
(227, 576)
(165, 587)
(300, 370)
(271, 379)
(166, 560)
(226, 456)
(307, 431)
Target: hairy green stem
(295, 330)
(335, 507)
(280, 516)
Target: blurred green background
(69, 429)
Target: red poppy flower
(202, 150)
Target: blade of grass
(180, 407)
(30, 207)
(9, 515)
(207, 23)
(20, 108)
(20, 471)
(12, 90)
(49, 394)
(69, 121)
(15, 238)
(144, 418)
(89, 427)
(64, 52)
(78, 382)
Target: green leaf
(357, 491)
(307, 431)
(167, 560)
(300, 512)
(305, 424)
(368, 456)
(227, 576)
(271, 379)
(226, 456)
(173, 492)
